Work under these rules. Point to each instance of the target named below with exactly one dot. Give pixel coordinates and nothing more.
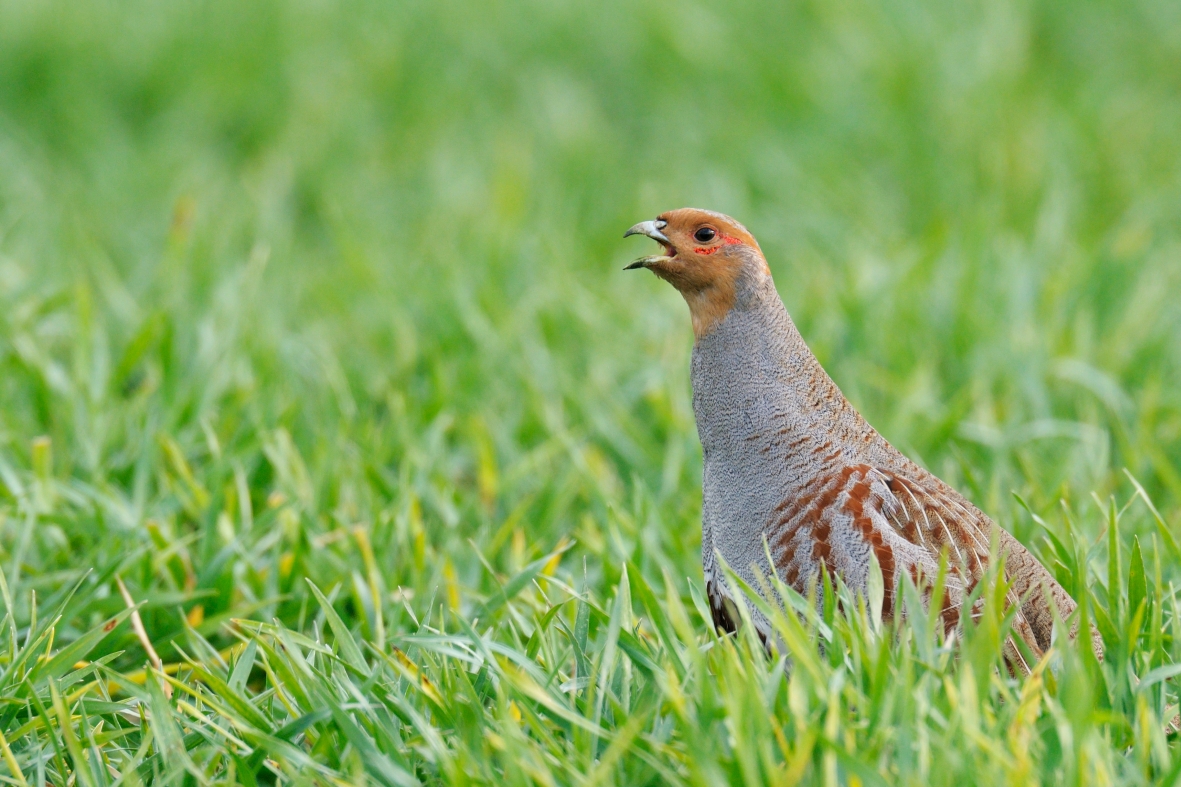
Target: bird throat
(709, 286)
(709, 306)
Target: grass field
(313, 337)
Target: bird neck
(754, 375)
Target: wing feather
(908, 526)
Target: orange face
(704, 255)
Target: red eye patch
(727, 240)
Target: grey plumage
(788, 462)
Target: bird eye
(704, 235)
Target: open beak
(652, 229)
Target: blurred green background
(273, 270)
(395, 229)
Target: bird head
(707, 256)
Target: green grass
(313, 333)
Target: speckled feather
(790, 463)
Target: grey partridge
(789, 464)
